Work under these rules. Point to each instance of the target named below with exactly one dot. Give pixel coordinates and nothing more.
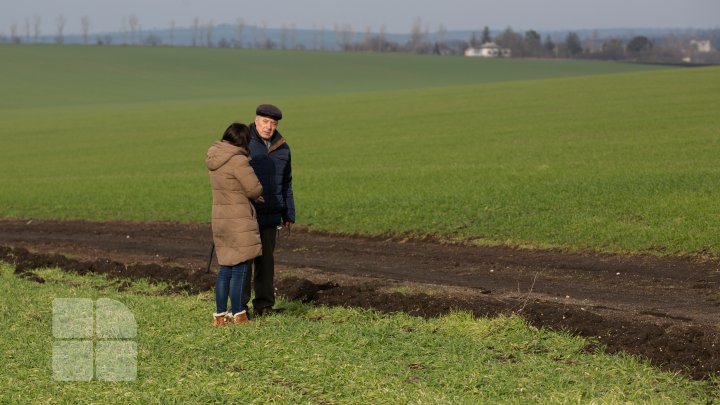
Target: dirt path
(666, 309)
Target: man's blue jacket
(271, 163)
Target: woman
(234, 225)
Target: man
(271, 161)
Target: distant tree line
(521, 44)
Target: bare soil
(665, 309)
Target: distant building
(700, 45)
(488, 50)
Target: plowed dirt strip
(666, 309)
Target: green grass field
(80, 76)
(528, 152)
(534, 153)
(314, 355)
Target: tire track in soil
(666, 309)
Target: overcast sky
(397, 16)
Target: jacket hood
(220, 153)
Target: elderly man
(271, 162)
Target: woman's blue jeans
(230, 282)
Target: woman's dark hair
(237, 134)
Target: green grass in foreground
(456, 148)
(317, 355)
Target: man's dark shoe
(267, 311)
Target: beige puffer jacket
(234, 225)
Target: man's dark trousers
(262, 274)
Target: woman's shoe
(219, 319)
(241, 317)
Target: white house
(488, 50)
(700, 45)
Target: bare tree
(337, 29)
(104, 40)
(283, 37)
(367, 39)
(201, 34)
(381, 38)
(671, 48)
(474, 41)
(255, 42)
(322, 37)
(314, 38)
(416, 36)
(209, 34)
(440, 39)
(426, 38)
(239, 27)
(134, 24)
(196, 26)
(37, 22)
(152, 40)
(263, 35)
(293, 37)
(124, 30)
(593, 42)
(171, 40)
(344, 36)
(287, 36)
(613, 48)
(550, 47)
(60, 23)
(27, 30)
(14, 34)
(85, 23)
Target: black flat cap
(270, 111)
